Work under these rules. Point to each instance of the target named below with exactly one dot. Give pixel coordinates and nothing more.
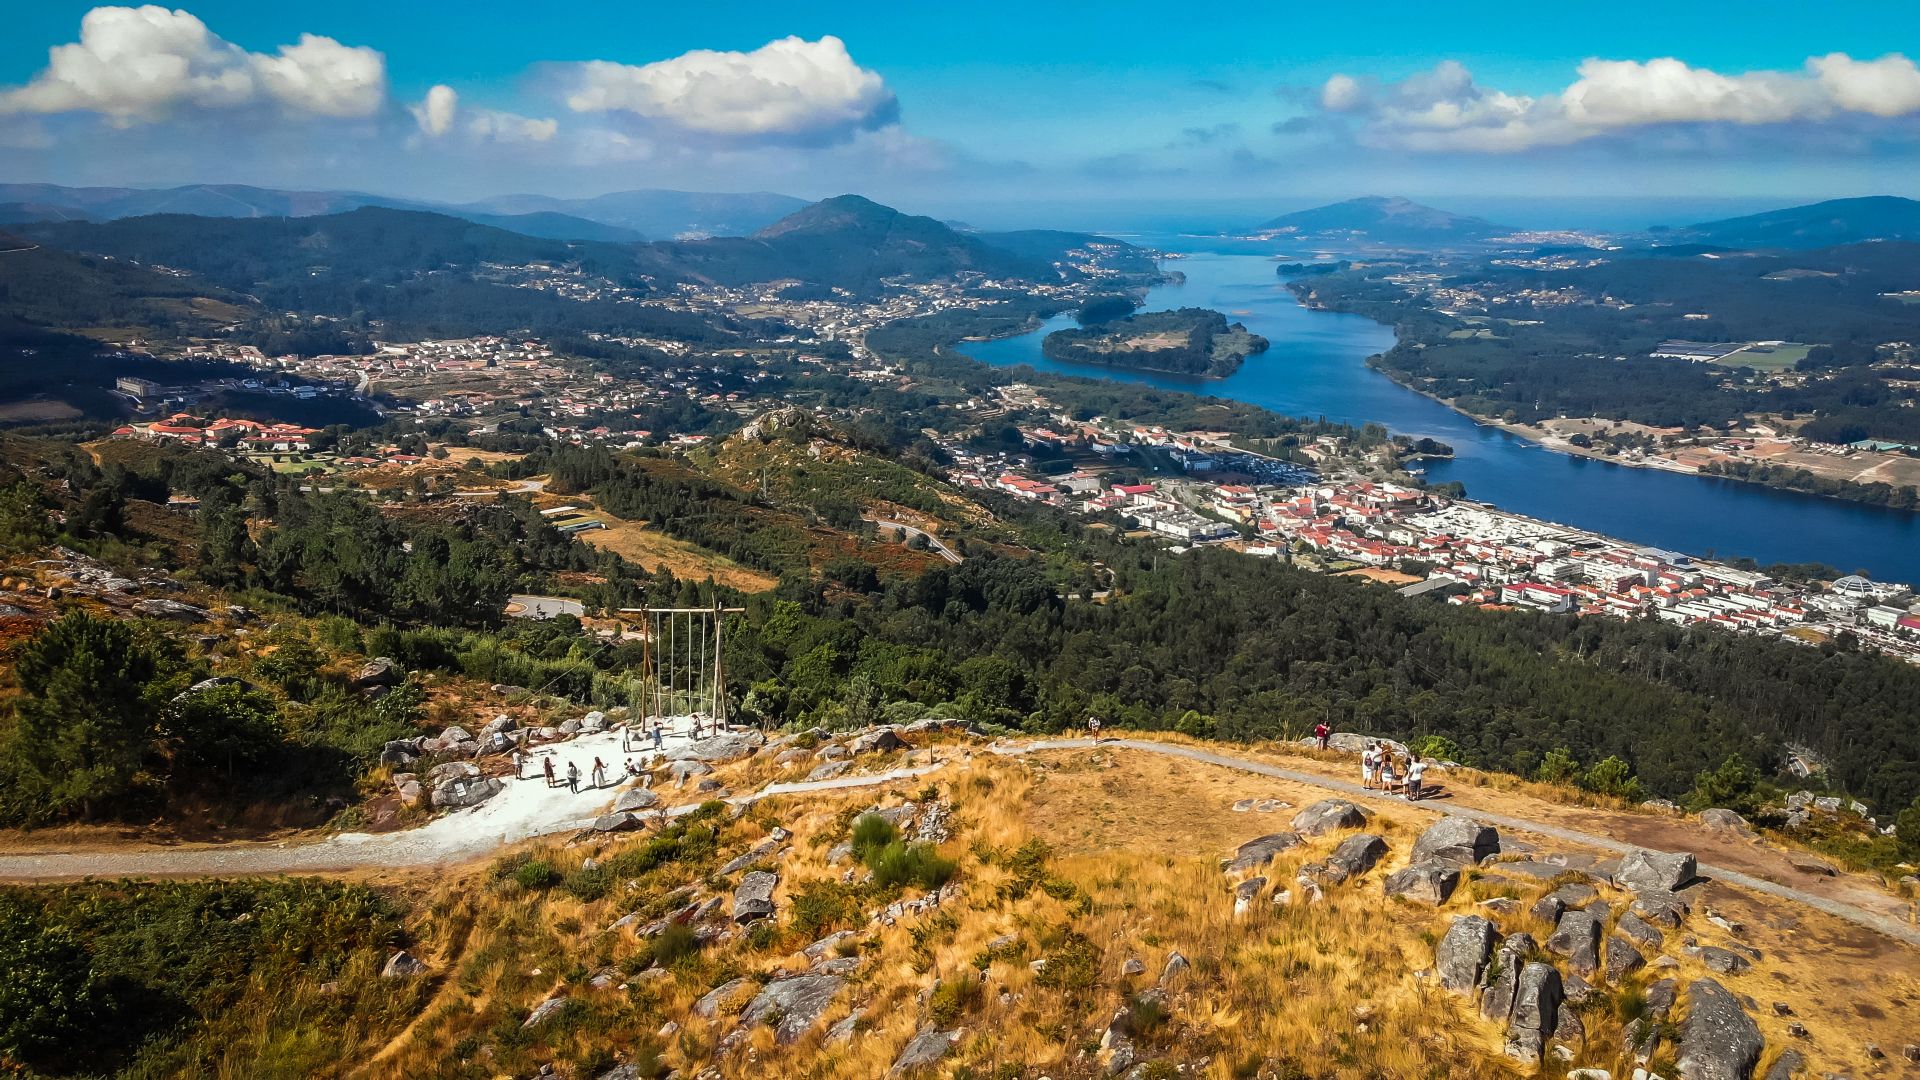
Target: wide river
(1317, 367)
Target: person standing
(1387, 777)
(519, 764)
(656, 735)
(1321, 731)
(1093, 727)
(1416, 775)
(549, 767)
(1366, 766)
(573, 778)
(599, 773)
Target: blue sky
(937, 106)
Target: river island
(1185, 341)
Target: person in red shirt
(1321, 731)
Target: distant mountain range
(623, 216)
(1385, 220)
(1816, 225)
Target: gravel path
(528, 808)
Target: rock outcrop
(1329, 815)
(754, 898)
(1462, 955)
(1536, 1012)
(1355, 856)
(1255, 854)
(1718, 1040)
(1461, 841)
(1427, 883)
(1577, 938)
(792, 1005)
(1668, 871)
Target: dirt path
(1730, 860)
(529, 809)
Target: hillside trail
(528, 809)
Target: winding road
(529, 809)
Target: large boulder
(829, 770)
(724, 747)
(877, 741)
(1639, 930)
(545, 1009)
(1725, 821)
(926, 1049)
(1718, 1040)
(1622, 958)
(792, 1005)
(754, 898)
(710, 1004)
(1536, 1012)
(1724, 961)
(681, 771)
(1461, 841)
(619, 821)
(1427, 883)
(1502, 977)
(1355, 856)
(1643, 869)
(452, 770)
(1578, 939)
(1463, 952)
(1255, 854)
(634, 800)
(462, 792)
(1660, 907)
(1329, 815)
(379, 671)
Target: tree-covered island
(1185, 341)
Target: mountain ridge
(1385, 218)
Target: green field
(1767, 357)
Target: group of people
(1380, 771)
(596, 774)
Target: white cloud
(435, 112)
(508, 128)
(1889, 86)
(1444, 109)
(790, 88)
(142, 64)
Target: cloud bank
(141, 65)
(786, 89)
(1445, 109)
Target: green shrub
(536, 874)
(674, 943)
(900, 864)
(588, 884)
(952, 999)
(871, 832)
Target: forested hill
(1385, 220)
(1822, 224)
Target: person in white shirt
(1416, 772)
(1367, 758)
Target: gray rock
(1536, 1012)
(1461, 841)
(1639, 930)
(402, 965)
(1622, 959)
(499, 724)
(757, 853)
(1255, 854)
(172, 610)
(452, 770)
(711, 1002)
(1427, 883)
(792, 1005)
(1578, 939)
(682, 770)
(926, 1048)
(635, 799)
(459, 793)
(1550, 907)
(792, 756)
(829, 770)
(1501, 979)
(1176, 966)
(1642, 869)
(1660, 907)
(594, 721)
(843, 1030)
(1789, 1064)
(1718, 1040)
(1718, 820)
(1827, 803)
(1577, 990)
(1244, 893)
(819, 950)
(410, 792)
(379, 671)
(724, 747)
(1462, 955)
(876, 741)
(545, 1009)
(1721, 960)
(1132, 966)
(1661, 997)
(831, 752)
(754, 898)
(1355, 856)
(619, 821)
(1328, 815)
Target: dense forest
(1185, 341)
